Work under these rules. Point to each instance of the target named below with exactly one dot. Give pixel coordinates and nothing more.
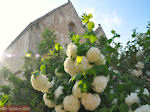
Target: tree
(20, 92)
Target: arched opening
(72, 27)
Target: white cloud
(89, 10)
(110, 19)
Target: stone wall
(13, 55)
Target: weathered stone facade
(61, 20)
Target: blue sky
(120, 15)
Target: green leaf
(3, 100)
(76, 38)
(59, 100)
(90, 26)
(111, 97)
(109, 49)
(77, 77)
(82, 49)
(123, 107)
(85, 35)
(148, 32)
(43, 68)
(85, 19)
(93, 38)
(110, 40)
(91, 71)
(84, 85)
(58, 47)
(101, 70)
(36, 73)
(90, 16)
(113, 31)
(134, 106)
(103, 110)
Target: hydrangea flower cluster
(48, 102)
(74, 64)
(144, 108)
(59, 108)
(90, 101)
(134, 98)
(138, 71)
(131, 99)
(40, 83)
(100, 83)
(93, 56)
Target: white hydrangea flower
(100, 83)
(148, 73)
(93, 54)
(139, 53)
(115, 101)
(116, 71)
(72, 50)
(101, 60)
(71, 103)
(69, 66)
(144, 108)
(139, 65)
(138, 36)
(141, 36)
(76, 90)
(111, 91)
(84, 65)
(57, 73)
(137, 91)
(40, 83)
(48, 102)
(132, 98)
(90, 101)
(144, 36)
(58, 91)
(137, 73)
(146, 92)
(59, 108)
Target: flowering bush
(88, 77)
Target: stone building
(61, 20)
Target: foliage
(20, 91)
(5, 89)
(47, 42)
(3, 99)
